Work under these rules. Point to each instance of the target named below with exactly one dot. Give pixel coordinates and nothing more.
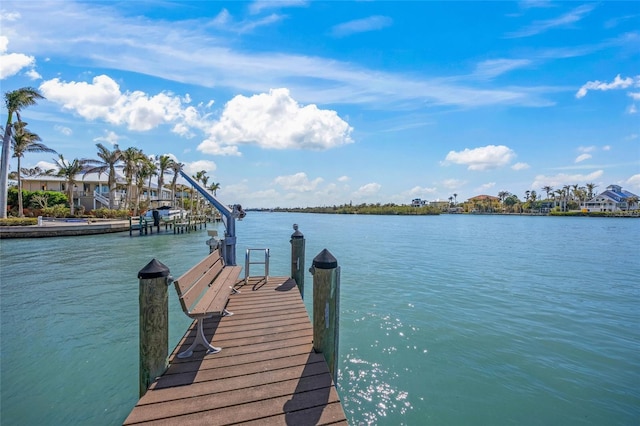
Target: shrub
(106, 213)
(59, 210)
(18, 221)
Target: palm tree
(25, 141)
(548, 189)
(131, 158)
(214, 188)
(503, 195)
(200, 176)
(455, 198)
(107, 162)
(176, 168)
(143, 171)
(69, 170)
(590, 187)
(164, 165)
(15, 101)
(152, 170)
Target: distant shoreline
(417, 211)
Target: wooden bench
(204, 292)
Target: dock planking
(266, 374)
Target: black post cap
(325, 260)
(154, 269)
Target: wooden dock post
(154, 322)
(326, 308)
(297, 258)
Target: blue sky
(305, 103)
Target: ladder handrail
(248, 263)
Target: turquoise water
(452, 319)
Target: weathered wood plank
(267, 373)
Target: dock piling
(326, 308)
(297, 258)
(154, 322)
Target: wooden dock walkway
(266, 374)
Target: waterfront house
(482, 203)
(91, 190)
(613, 199)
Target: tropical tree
(590, 188)
(455, 199)
(548, 189)
(15, 101)
(511, 201)
(69, 170)
(202, 177)
(214, 188)
(151, 170)
(131, 157)
(503, 195)
(176, 168)
(164, 163)
(144, 170)
(24, 141)
(106, 164)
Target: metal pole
(154, 322)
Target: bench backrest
(193, 283)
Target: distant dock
(267, 373)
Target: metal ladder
(248, 263)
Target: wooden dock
(266, 374)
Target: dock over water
(266, 374)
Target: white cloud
(567, 19)
(633, 181)
(617, 83)
(344, 179)
(562, 179)
(260, 5)
(582, 157)
(606, 148)
(102, 99)
(45, 165)
(372, 23)
(367, 190)
(275, 120)
(298, 182)
(586, 148)
(495, 67)
(453, 183)
(633, 109)
(33, 74)
(197, 166)
(486, 186)
(109, 136)
(634, 95)
(63, 129)
(12, 63)
(483, 158)
(420, 192)
(520, 166)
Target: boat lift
(229, 219)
